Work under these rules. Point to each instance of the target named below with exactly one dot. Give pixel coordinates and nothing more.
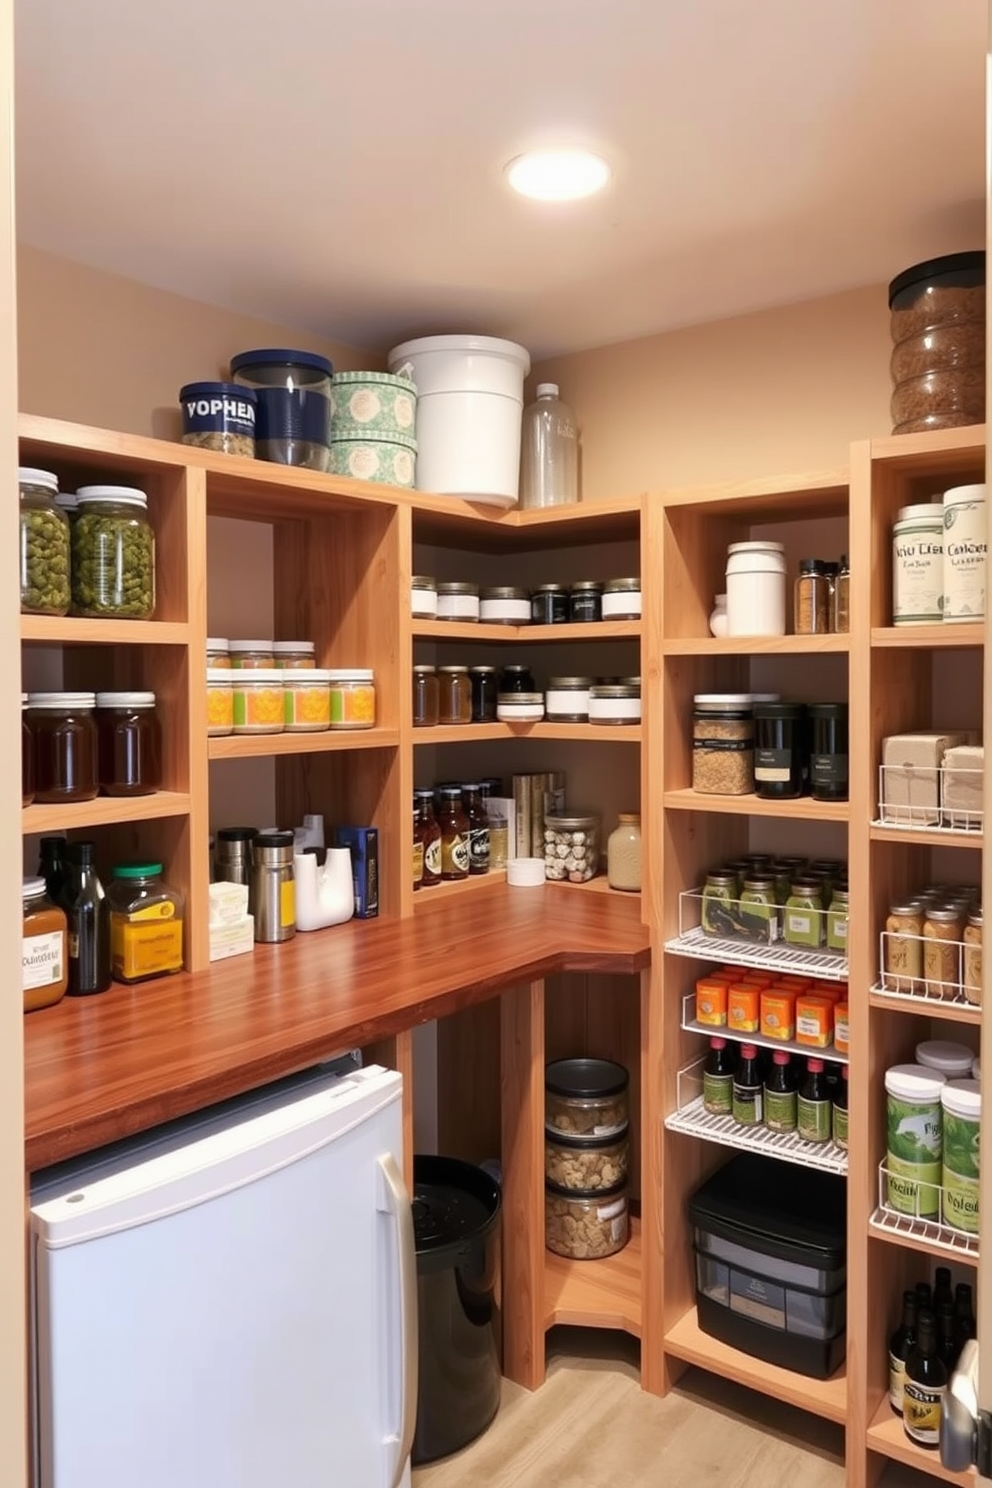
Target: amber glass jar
(27, 757)
(425, 697)
(903, 968)
(44, 948)
(129, 747)
(455, 695)
(455, 829)
(64, 733)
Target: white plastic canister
(470, 396)
(918, 564)
(755, 589)
(965, 547)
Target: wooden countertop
(101, 1068)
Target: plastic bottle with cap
(549, 451)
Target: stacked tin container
(374, 427)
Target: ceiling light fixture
(558, 175)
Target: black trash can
(456, 1214)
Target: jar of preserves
(516, 678)
(113, 554)
(585, 601)
(146, 923)
(615, 704)
(306, 695)
(457, 601)
(973, 956)
(549, 605)
(252, 656)
(218, 652)
(64, 731)
(426, 700)
(485, 690)
(903, 959)
(423, 597)
(430, 834)
(455, 695)
(622, 599)
(27, 757)
(259, 707)
(44, 545)
(454, 834)
(294, 655)
(44, 948)
(623, 853)
(220, 701)
(504, 605)
(352, 697)
(129, 743)
(942, 931)
(567, 699)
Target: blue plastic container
(293, 393)
(218, 416)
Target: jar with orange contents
(220, 701)
(352, 698)
(307, 700)
(258, 701)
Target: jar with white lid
(566, 699)
(520, 707)
(622, 599)
(63, 728)
(294, 655)
(218, 651)
(220, 701)
(113, 554)
(457, 601)
(504, 605)
(571, 847)
(352, 697)
(259, 706)
(965, 549)
(918, 564)
(306, 700)
(950, 1059)
(617, 703)
(129, 743)
(44, 544)
(723, 743)
(251, 655)
(756, 589)
(423, 597)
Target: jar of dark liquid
(129, 748)
(27, 757)
(64, 732)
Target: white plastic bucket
(470, 401)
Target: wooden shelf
(886, 1435)
(924, 836)
(795, 498)
(922, 1007)
(828, 1398)
(927, 637)
(596, 1294)
(601, 630)
(67, 630)
(926, 1236)
(943, 453)
(259, 746)
(802, 809)
(785, 645)
(471, 733)
(451, 522)
(496, 876)
(104, 811)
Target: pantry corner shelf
(471, 733)
(804, 808)
(694, 1120)
(928, 1007)
(258, 746)
(923, 1235)
(103, 811)
(470, 630)
(691, 1024)
(73, 630)
(828, 965)
(604, 1293)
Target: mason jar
(113, 555)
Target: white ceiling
(337, 166)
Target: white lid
(29, 476)
(249, 676)
(250, 646)
(547, 390)
(914, 1082)
(32, 887)
(304, 676)
(976, 1068)
(922, 509)
(962, 1098)
(67, 500)
(280, 648)
(218, 675)
(218, 643)
(350, 674)
(959, 494)
(756, 547)
(525, 873)
(953, 1060)
(125, 700)
(725, 699)
(61, 699)
(126, 495)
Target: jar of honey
(425, 697)
(64, 732)
(455, 695)
(129, 743)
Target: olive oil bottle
(926, 1386)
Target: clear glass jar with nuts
(588, 1167)
(586, 1098)
(586, 1227)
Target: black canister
(585, 601)
(779, 750)
(828, 760)
(549, 605)
(485, 689)
(515, 679)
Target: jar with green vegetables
(113, 555)
(44, 545)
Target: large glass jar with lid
(113, 554)
(44, 545)
(65, 744)
(129, 743)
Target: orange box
(778, 1013)
(841, 1033)
(814, 1021)
(833, 991)
(711, 1002)
(757, 979)
(744, 1008)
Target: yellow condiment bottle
(146, 923)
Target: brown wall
(762, 395)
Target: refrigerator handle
(400, 1207)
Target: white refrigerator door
(237, 1310)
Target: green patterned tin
(391, 463)
(962, 1103)
(914, 1140)
(376, 405)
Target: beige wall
(103, 350)
(774, 393)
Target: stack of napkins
(964, 780)
(232, 928)
(911, 777)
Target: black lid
(273, 839)
(585, 1144)
(776, 710)
(810, 566)
(585, 1079)
(827, 710)
(951, 264)
(584, 1194)
(454, 1204)
(83, 853)
(794, 1216)
(53, 844)
(236, 834)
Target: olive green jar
(44, 545)
(113, 555)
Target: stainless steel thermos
(272, 895)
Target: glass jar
(292, 405)
(425, 697)
(455, 841)
(837, 921)
(779, 755)
(804, 920)
(812, 599)
(458, 601)
(621, 599)
(306, 696)
(719, 911)
(146, 923)
(615, 704)
(903, 957)
(259, 707)
(586, 1098)
(423, 597)
(590, 1166)
(520, 707)
(828, 759)
(129, 744)
(567, 699)
(68, 503)
(218, 652)
(64, 731)
(454, 695)
(294, 656)
(485, 688)
(220, 701)
(938, 344)
(113, 554)
(585, 601)
(623, 853)
(27, 757)
(586, 1227)
(352, 697)
(571, 847)
(942, 932)
(723, 744)
(972, 980)
(504, 605)
(43, 545)
(252, 656)
(44, 948)
(840, 620)
(477, 817)
(516, 679)
(549, 605)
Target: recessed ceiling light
(558, 175)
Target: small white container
(718, 616)
(951, 1060)
(458, 601)
(423, 597)
(614, 704)
(621, 599)
(505, 606)
(756, 589)
(525, 873)
(520, 707)
(965, 549)
(918, 564)
(566, 699)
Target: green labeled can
(962, 1109)
(915, 1146)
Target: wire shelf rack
(709, 1030)
(926, 1230)
(930, 797)
(934, 973)
(779, 955)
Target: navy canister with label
(293, 393)
(218, 416)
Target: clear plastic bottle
(549, 451)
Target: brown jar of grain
(938, 344)
(723, 743)
(973, 956)
(942, 931)
(903, 969)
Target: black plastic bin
(456, 1213)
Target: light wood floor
(591, 1426)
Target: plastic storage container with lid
(259, 703)
(949, 1059)
(44, 948)
(914, 1141)
(251, 655)
(549, 451)
(113, 554)
(938, 344)
(129, 743)
(590, 1165)
(43, 545)
(352, 697)
(146, 923)
(65, 745)
(755, 589)
(961, 1103)
(723, 743)
(586, 1226)
(219, 416)
(294, 655)
(220, 701)
(293, 404)
(306, 696)
(586, 1098)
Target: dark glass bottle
(779, 757)
(926, 1385)
(454, 835)
(902, 1340)
(814, 1104)
(516, 679)
(87, 910)
(748, 1106)
(780, 1094)
(478, 830)
(924, 1297)
(432, 837)
(947, 1344)
(51, 865)
(828, 756)
(718, 1078)
(418, 846)
(840, 1092)
(964, 1314)
(943, 1292)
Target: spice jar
(423, 597)
(306, 696)
(623, 853)
(43, 545)
(942, 931)
(903, 956)
(146, 923)
(458, 601)
(218, 652)
(129, 743)
(113, 554)
(812, 599)
(828, 762)
(426, 698)
(516, 679)
(294, 656)
(220, 701)
(585, 601)
(64, 732)
(258, 700)
(454, 694)
(549, 605)
(804, 918)
(973, 957)
(837, 921)
(252, 656)
(618, 703)
(44, 948)
(485, 689)
(504, 605)
(938, 344)
(571, 847)
(352, 698)
(567, 699)
(779, 756)
(723, 744)
(622, 599)
(840, 620)
(27, 757)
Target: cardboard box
(910, 783)
(964, 782)
(232, 939)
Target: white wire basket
(928, 1228)
(932, 797)
(933, 973)
(712, 1030)
(776, 954)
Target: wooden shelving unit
(886, 1436)
(597, 1294)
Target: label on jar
(964, 561)
(780, 1110)
(828, 769)
(773, 765)
(727, 746)
(611, 1211)
(813, 1119)
(478, 849)
(922, 1406)
(718, 1094)
(42, 959)
(840, 1126)
(205, 415)
(146, 948)
(747, 1104)
(418, 862)
(802, 928)
(609, 1131)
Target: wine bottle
(88, 914)
(926, 1386)
(902, 1340)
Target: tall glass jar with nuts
(723, 743)
(942, 930)
(903, 958)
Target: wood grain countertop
(101, 1068)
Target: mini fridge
(230, 1301)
